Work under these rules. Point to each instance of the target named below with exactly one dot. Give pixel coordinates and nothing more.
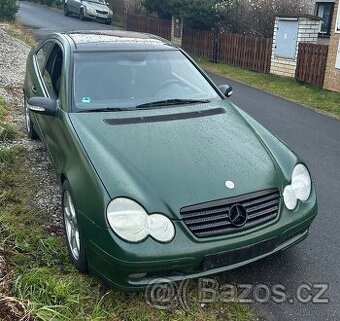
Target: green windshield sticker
(86, 100)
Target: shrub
(8, 9)
(47, 2)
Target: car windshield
(97, 1)
(126, 80)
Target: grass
(307, 95)
(22, 33)
(7, 132)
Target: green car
(162, 176)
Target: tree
(199, 14)
(166, 8)
(253, 17)
(8, 9)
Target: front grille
(102, 12)
(212, 218)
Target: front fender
(89, 193)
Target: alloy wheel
(71, 225)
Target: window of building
(325, 10)
(337, 62)
(337, 26)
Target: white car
(90, 9)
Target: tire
(66, 12)
(75, 245)
(108, 22)
(30, 131)
(81, 15)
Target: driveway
(316, 138)
(45, 21)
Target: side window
(43, 54)
(53, 70)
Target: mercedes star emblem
(238, 215)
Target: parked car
(98, 10)
(161, 174)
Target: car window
(43, 54)
(129, 79)
(53, 71)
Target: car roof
(115, 40)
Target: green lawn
(307, 95)
(7, 131)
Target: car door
(49, 76)
(34, 79)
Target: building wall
(307, 32)
(332, 78)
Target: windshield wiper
(173, 102)
(103, 110)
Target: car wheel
(31, 133)
(66, 12)
(73, 235)
(108, 22)
(82, 14)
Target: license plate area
(239, 255)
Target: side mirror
(42, 105)
(226, 90)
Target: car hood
(174, 157)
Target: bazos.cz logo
(165, 294)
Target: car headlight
(132, 223)
(299, 189)
(91, 10)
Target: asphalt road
(45, 21)
(317, 139)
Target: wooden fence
(199, 43)
(252, 53)
(147, 24)
(311, 63)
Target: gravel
(13, 54)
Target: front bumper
(99, 17)
(133, 266)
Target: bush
(47, 2)
(8, 9)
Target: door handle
(34, 89)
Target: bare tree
(256, 17)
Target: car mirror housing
(226, 89)
(43, 105)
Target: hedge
(8, 9)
